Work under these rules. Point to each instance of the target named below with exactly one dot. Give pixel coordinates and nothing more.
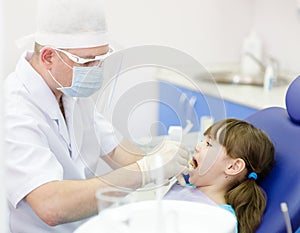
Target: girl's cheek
(191, 172)
(194, 172)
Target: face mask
(85, 82)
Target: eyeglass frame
(82, 61)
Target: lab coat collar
(42, 95)
(35, 84)
(74, 122)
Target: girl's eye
(208, 144)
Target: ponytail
(249, 203)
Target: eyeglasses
(82, 61)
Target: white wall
(209, 30)
(278, 23)
(19, 18)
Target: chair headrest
(292, 100)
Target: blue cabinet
(178, 105)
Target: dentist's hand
(168, 160)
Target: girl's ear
(46, 56)
(235, 167)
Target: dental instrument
(284, 210)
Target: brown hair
(243, 140)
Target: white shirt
(41, 146)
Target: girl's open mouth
(193, 164)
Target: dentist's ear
(46, 56)
(235, 167)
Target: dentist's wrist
(144, 171)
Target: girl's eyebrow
(208, 136)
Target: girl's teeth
(192, 164)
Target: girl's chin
(191, 177)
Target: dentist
(54, 139)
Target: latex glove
(168, 160)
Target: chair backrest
(283, 183)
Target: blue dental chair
(283, 183)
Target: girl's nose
(198, 147)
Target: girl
(226, 167)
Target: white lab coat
(42, 147)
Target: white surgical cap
(71, 23)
